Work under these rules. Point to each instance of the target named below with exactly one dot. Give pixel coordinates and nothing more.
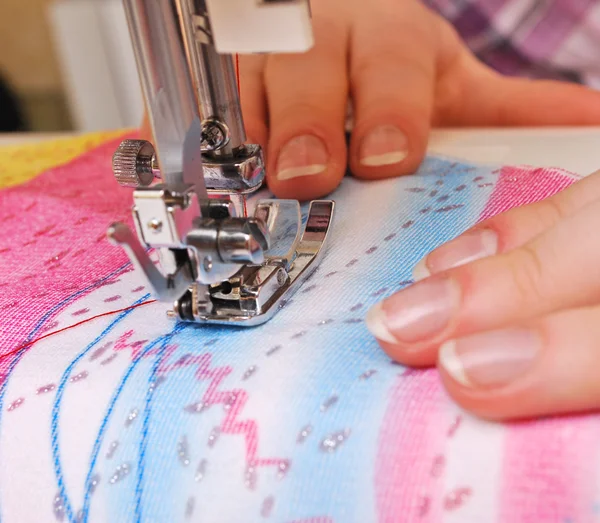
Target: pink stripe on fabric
(47, 253)
(412, 435)
(549, 471)
(518, 186)
(413, 432)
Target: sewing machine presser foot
(220, 268)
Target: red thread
(30, 343)
(237, 72)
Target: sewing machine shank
(217, 263)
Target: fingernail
(492, 359)
(421, 271)
(417, 313)
(302, 156)
(471, 246)
(384, 145)
(377, 324)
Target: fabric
(20, 163)
(554, 39)
(132, 417)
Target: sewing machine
(217, 263)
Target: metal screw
(207, 264)
(215, 135)
(156, 225)
(281, 277)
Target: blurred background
(66, 65)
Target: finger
(307, 96)
(482, 97)
(545, 367)
(558, 269)
(253, 98)
(509, 230)
(392, 78)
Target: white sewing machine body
(217, 264)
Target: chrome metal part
(283, 221)
(240, 174)
(168, 91)
(223, 245)
(252, 296)
(134, 163)
(163, 217)
(166, 288)
(220, 209)
(213, 76)
(215, 136)
(216, 264)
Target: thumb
(490, 99)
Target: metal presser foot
(217, 264)
(225, 269)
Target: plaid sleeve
(549, 39)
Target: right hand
(405, 70)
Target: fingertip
(384, 150)
(383, 145)
(377, 327)
(420, 270)
(424, 357)
(417, 357)
(381, 172)
(421, 357)
(305, 164)
(308, 186)
(488, 405)
(450, 362)
(460, 388)
(495, 375)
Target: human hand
(406, 70)
(510, 310)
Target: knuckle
(306, 117)
(366, 66)
(289, 112)
(518, 225)
(528, 275)
(550, 211)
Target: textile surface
(132, 417)
(554, 39)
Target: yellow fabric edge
(21, 162)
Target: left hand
(510, 310)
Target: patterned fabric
(19, 164)
(552, 39)
(117, 414)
